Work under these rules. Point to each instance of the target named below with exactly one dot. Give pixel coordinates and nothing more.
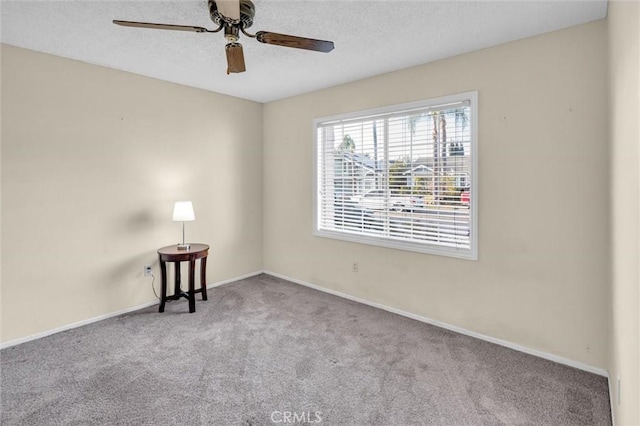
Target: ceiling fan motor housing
(247, 12)
(232, 34)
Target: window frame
(421, 247)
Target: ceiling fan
(234, 17)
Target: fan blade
(161, 26)
(235, 58)
(229, 9)
(293, 41)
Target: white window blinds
(402, 177)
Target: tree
(450, 193)
(440, 145)
(375, 153)
(461, 117)
(436, 158)
(348, 168)
(347, 144)
(397, 178)
(375, 142)
(421, 187)
(413, 122)
(443, 136)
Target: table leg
(192, 290)
(163, 291)
(176, 267)
(203, 277)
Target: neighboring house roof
(419, 170)
(455, 163)
(363, 161)
(421, 166)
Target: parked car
(352, 215)
(376, 200)
(465, 197)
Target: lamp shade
(183, 211)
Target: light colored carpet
(262, 350)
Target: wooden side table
(175, 256)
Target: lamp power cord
(153, 287)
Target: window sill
(462, 253)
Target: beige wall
(624, 60)
(542, 276)
(92, 161)
(1, 193)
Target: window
(401, 177)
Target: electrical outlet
(147, 270)
(354, 267)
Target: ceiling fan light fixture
(235, 58)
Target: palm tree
(440, 143)
(413, 124)
(443, 136)
(439, 135)
(375, 154)
(349, 145)
(436, 158)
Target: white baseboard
(74, 325)
(611, 401)
(106, 316)
(232, 280)
(514, 346)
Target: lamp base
(184, 246)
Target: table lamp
(183, 212)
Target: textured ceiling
(371, 37)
